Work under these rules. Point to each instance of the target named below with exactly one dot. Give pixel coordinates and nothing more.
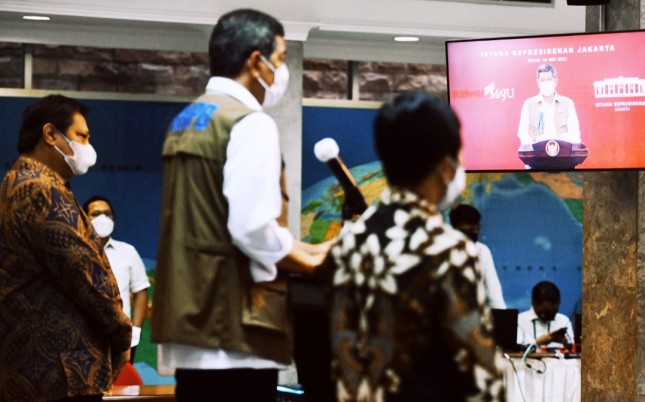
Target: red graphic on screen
(597, 122)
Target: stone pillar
(288, 116)
(610, 286)
(613, 279)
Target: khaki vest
(204, 294)
(561, 116)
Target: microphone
(326, 151)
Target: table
(147, 393)
(560, 381)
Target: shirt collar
(110, 243)
(227, 86)
(25, 162)
(534, 317)
(402, 196)
(556, 98)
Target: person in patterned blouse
(63, 333)
(409, 320)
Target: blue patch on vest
(198, 113)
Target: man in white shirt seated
(542, 324)
(127, 266)
(466, 219)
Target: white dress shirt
(529, 327)
(252, 188)
(494, 295)
(128, 269)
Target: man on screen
(548, 115)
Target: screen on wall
(557, 102)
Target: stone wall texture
(381, 81)
(325, 79)
(186, 74)
(11, 70)
(119, 70)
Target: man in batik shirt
(63, 333)
(409, 320)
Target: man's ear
(446, 169)
(254, 59)
(49, 134)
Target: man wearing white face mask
(126, 263)
(64, 334)
(220, 307)
(409, 320)
(548, 115)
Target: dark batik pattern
(409, 320)
(62, 328)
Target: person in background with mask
(542, 324)
(126, 264)
(548, 115)
(220, 301)
(466, 219)
(63, 333)
(409, 320)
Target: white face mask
(454, 189)
(103, 226)
(84, 156)
(273, 93)
(547, 88)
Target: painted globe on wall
(531, 221)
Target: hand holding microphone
(326, 151)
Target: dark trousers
(312, 353)
(84, 398)
(234, 385)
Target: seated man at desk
(543, 324)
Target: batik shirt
(409, 320)
(62, 327)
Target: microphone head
(326, 149)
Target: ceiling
(343, 29)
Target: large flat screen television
(556, 102)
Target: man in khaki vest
(220, 310)
(548, 115)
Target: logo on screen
(552, 148)
(498, 93)
(619, 87)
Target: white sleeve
(573, 125)
(523, 337)
(523, 129)
(491, 280)
(138, 276)
(252, 188)
(567, 324)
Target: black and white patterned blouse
(409, 320)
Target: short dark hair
(236, 35)
(94, 198)
(58, 110)
(545, 68)
(412, 133)
(464, 213)
(545, 291)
